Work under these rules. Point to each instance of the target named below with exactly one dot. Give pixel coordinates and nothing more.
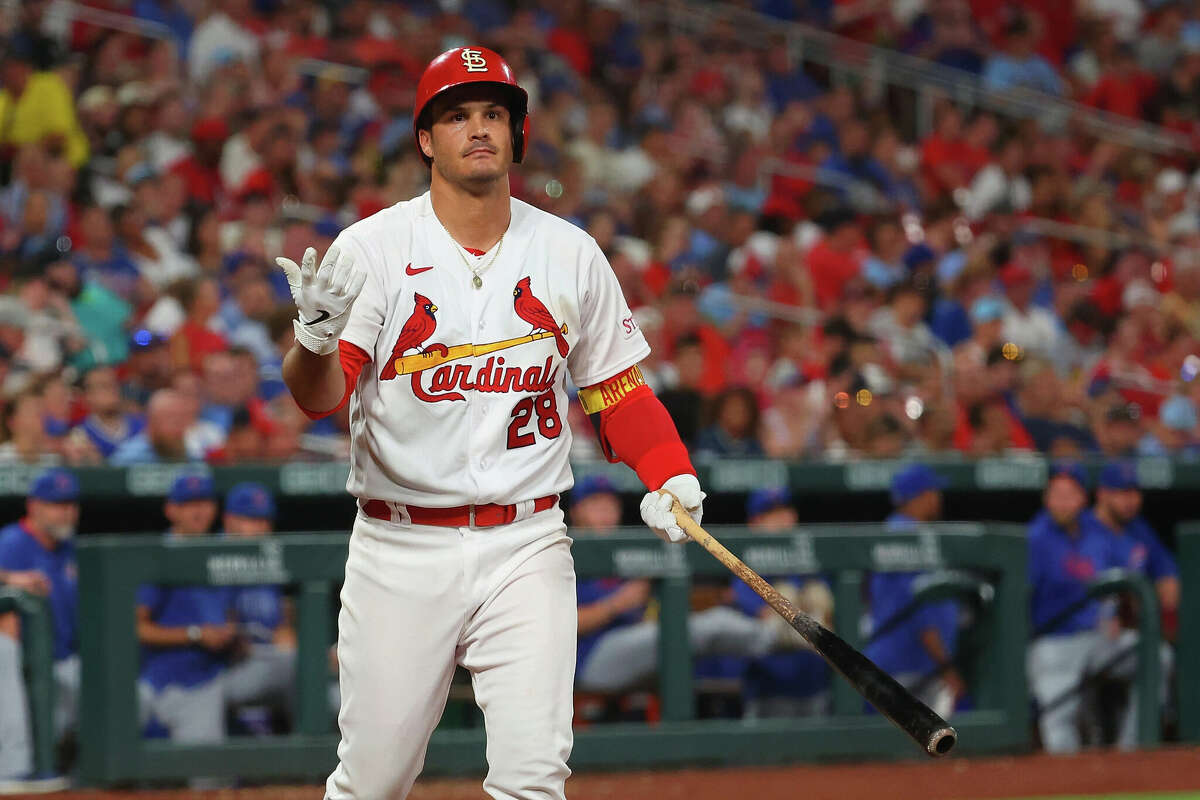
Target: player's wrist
(321, 345)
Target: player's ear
(425, 139)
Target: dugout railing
(111, 568)
(1187, 652)
(37, 667)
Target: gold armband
(612, 391)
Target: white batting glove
(656, 508)
(323, 296)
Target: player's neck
(473, 219)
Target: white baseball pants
(418, 600)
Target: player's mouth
(477, 150)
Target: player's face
(601, 511)
(1123, 504)
(470, 140)
(193, 518)
(56, 519)
(1064, 500)
(238, 525)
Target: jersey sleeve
(369, 311)
(609, 340)
(11, 557)
(149, 596)
(1159, 561)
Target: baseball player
(37, 555)
(1117, 509)
(1136, 547)
(924, 643)
(449, 324)
(266, 673)
(1066, 552)
(186, 632)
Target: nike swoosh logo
(324, 315)
(411, 270)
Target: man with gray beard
(37, 556)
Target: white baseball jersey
(464, 399)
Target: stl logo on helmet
(474, 61)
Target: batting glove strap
(656, 507)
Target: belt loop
(524, 509)
(471, 515)
(399, 513)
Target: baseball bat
(930, 731)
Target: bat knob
(941, 741)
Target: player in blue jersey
(1066, 552)
(186, 632)
(266, 670)
(1135, 547)
(794, 682)
(1118, 508)
(912, 650)
(37, 555)
(618, 648)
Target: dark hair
(735, 394)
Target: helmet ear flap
(520, 140)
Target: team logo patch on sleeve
(629, 326)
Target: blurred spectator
(1019, 66)
(1033, 328)
(734, 429)
(186, 633)
(100, 313)
(107, 424)
(37, 555)
(37, 105)
(195, 339)
(915, 645)
(794, 683)
(265, 671)
(25, 439)
(148, 368)
(169, 416)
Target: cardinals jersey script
(464, 400)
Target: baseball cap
(55, 485)
(249, 499)
(1118, 475)
(913, 481)
(590, 485)
(188, 488)
(1070, 469)
(762, 500)
(987, 309)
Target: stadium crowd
(149, 179)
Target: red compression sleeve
(637, 430)
(353, 359)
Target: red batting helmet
(467, 65)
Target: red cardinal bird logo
(533, 311)
(416, 330)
